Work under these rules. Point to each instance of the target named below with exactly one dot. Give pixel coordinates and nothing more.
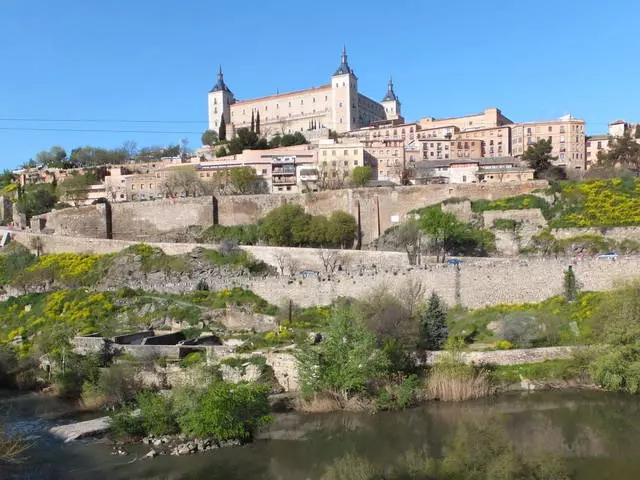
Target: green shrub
(507, 224)
(125, 424)
(224, 411)
(194, 358)
(519, 202)
(156, 412)
(243, 234)
(398, 395)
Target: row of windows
(334, 163)
(333, 152)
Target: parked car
(609, 256)
(454, 261)
(308, 273)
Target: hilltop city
(330, 137)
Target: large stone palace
(336, 106)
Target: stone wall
(615, 233)
(143, 220)
(378, 208)
(478, 281)
(509, 357)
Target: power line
(94, 120)
(96, 130)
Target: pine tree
(433, 324)
(222, 131)
(258, 123)
(570, 284)
(253, 124)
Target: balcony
(283, 180)
(283, 171)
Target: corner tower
(220, 100)
(391, 103)
(344, 97)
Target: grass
(560, 369)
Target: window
(550, 128)
(346, 152)
(355, 152)
(355, 163)
(333, 152)
(324, 153)
(301, 102)
(599, 145)
(346, 163)
(464, 178)
(562, 139)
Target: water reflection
(593, 433)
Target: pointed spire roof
(220, 85)
(391, 95)
(344, 65)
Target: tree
(253, 122)
(245, 181)
(345, 361)
(433, 324)
(36, 199)
(130, 148)
(539, 157)
(637, 132)
(388, 318)
(342, 229)
(258, 123)
(441, 227)
(570, 284)
(209, 137)
(409, 236)
(221, 151)
(623, 152)
(56, 157)
(222, 131)
(330, 259)
(183, 182)
(362, 175)
(286, 226)
(75, 188)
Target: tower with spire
(344, 96)
(391, 103)
(220, 101)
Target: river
(597, 433)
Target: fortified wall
(474, 283)
(377, 208)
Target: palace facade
(337, 106)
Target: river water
(597, 433)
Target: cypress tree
(222, 131)
(433, 324)
(253, 124)
(258, 123)
(570, 284)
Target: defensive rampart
(476, 282)
(377, 209)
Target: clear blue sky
(156, 60)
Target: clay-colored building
(567, 135)
(388, 156)
(596, 144)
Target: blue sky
(139, 60)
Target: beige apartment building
(388, 156)
(596, 144)
(495, 141)
(336, 106)
(466, 148)
(567, 135)
(436, 149)
(491, 117)
(473, 170)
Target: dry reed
(455, 383)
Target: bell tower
(220, 100)
(391, 103)
(344, 96)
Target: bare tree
(293, 266)
(409, 235)
(282, 261)
(411, 295)
(330, 259)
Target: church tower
(220, 100)
(344, 97)
(391, 103)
